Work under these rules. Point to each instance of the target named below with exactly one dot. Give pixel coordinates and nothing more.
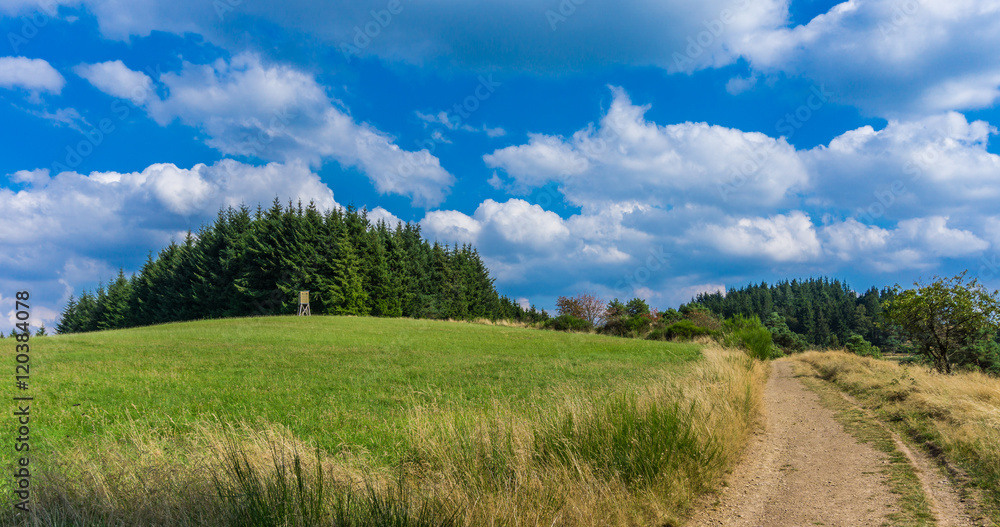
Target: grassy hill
(550, 414)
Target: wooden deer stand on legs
(304, 304)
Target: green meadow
(340, 382)
(501, 420)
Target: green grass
(364, 421)
(342, 383)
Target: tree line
(250, 263)
(823, 313)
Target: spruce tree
(68, 322)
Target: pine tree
(68, 322)
(115, 304)
(348, 282)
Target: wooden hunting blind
(304, 304)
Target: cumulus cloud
(69, 228)
(34, 75)
(934, 235)
(851, 239)
(907, 197)
(779, 238)
(938, 164)
(92, 215)
(380, 214)
(625, 157)
(275, 112)
(515, 225)
(892, 58)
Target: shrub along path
(805, 469)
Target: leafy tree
(584, 306)
(945, 317)
(569, 306)
(859, 346)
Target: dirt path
(946, 503)
(804, 469)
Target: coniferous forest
(821, 312)
(251, 263)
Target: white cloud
(939, 164)
(686, 293)
(738, 85)
(627, 158)
(70, 228)
(676, 35)
(103, 210)
(934, 235)
(275, 112)
(992, 230)
(515, 225)
(117, 80)
(450, 226)
(851, 239)
(520, 224)
(64, 117)
(778, 238)
(380, 214)
(543, 159)
(35, 75)
(38, 178)
(892, 58)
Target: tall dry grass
(958, 415)
(633, 455)
(626, 458)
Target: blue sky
(646, 148)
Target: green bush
(857, 345)
(568, 323)
(682, 330)
(750, 334)
(783, 337)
